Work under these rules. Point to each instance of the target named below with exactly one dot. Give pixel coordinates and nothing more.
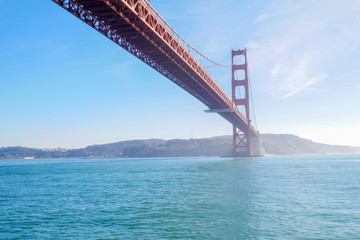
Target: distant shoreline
(274, 144)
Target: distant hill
(274, 144)
(287, 144)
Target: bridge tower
(240, 83)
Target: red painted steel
(135, 26)
(241, 138)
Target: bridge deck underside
(127, 20)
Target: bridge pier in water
(242, 149)
(138, 28)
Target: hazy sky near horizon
(62, 84)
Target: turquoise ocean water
(301, 197)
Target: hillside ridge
(273, 144)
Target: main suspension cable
(252, 100)
(182, 39)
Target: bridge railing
(147, 24)
(179, 45)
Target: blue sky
(65, 85)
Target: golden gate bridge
(138, 28)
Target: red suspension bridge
(135, 26)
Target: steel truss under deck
(136, 27)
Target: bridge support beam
(240, 96)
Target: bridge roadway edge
(134, 36)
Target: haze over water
(298, 197)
